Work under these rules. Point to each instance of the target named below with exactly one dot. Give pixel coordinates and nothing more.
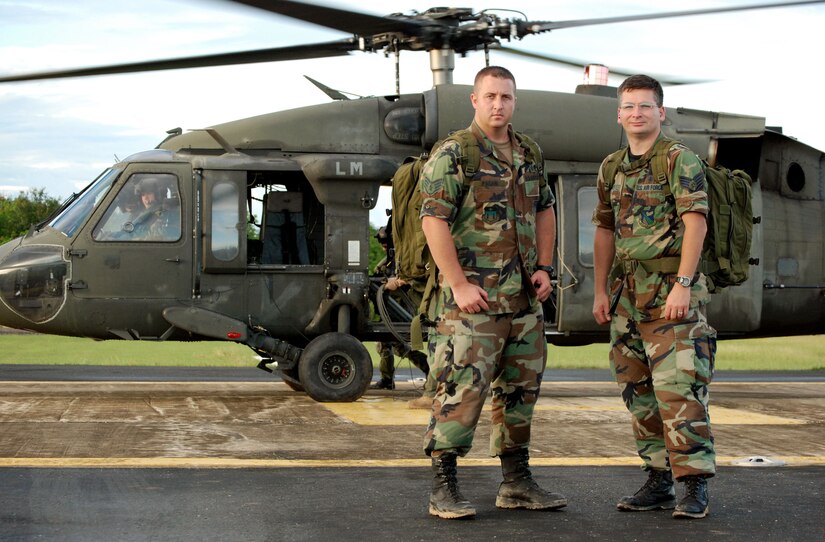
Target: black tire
(335, 367)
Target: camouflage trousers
(469, 354)
(663, 369)
(386, 365)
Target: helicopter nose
(32, 282)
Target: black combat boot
(657, 493)
(446, 501)
(519, 490)
(695, 502)
(383, 384)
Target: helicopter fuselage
(312, 175)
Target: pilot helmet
(147, 185)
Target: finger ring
(679, 313)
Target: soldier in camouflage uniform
(488, 234)
(662, 348)
(388, 350)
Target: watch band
(684, 280)
(549, 269)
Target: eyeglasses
(644, 107)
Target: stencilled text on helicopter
(356, 169)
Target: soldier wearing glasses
(662, 351)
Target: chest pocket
(532, 181)
(650, 201)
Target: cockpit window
(147, 208)
(78, 211)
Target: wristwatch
(549, 269)
(684, 281)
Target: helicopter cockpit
(147, 208)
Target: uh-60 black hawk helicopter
(156, 248)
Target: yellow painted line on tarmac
(737, 416)
(371, 411)
(235, 463)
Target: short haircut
(494, 71)
(642, 82)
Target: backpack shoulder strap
(658, 161)
(470, 153)
(611, 167)
(532, 152)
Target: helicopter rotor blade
(664, 79)
(353, 22)
(438, 28)
(530, 27)
(297, 52)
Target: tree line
(17, 214)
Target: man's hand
(678, 303)
(543, 284)
(470, 298)
(394, 283)
(601, 308)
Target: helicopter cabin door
(576, 196)
(135, 253)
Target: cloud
(60, 134)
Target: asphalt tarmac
(168, 454)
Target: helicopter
(158, 246)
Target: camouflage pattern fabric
(154, 224)
(386, 364)
(663, 369)
(643, 213)
(494, 223)
(494, 228)
(387, 352)
(473, 353)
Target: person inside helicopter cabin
(151, 220)
(388, 350)
(648, 240)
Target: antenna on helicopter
(331, 92)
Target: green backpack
(413, 262)
(726, 252)
(412, 257)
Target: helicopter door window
(225, 219)
(587, 202)
(147, 208)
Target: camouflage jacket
(492, 218)
(644, 215)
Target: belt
(668, 264)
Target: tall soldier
(662, 348)
(491, 234)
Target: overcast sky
(59, 135)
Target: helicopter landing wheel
(335, 367)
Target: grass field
(782, 353)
